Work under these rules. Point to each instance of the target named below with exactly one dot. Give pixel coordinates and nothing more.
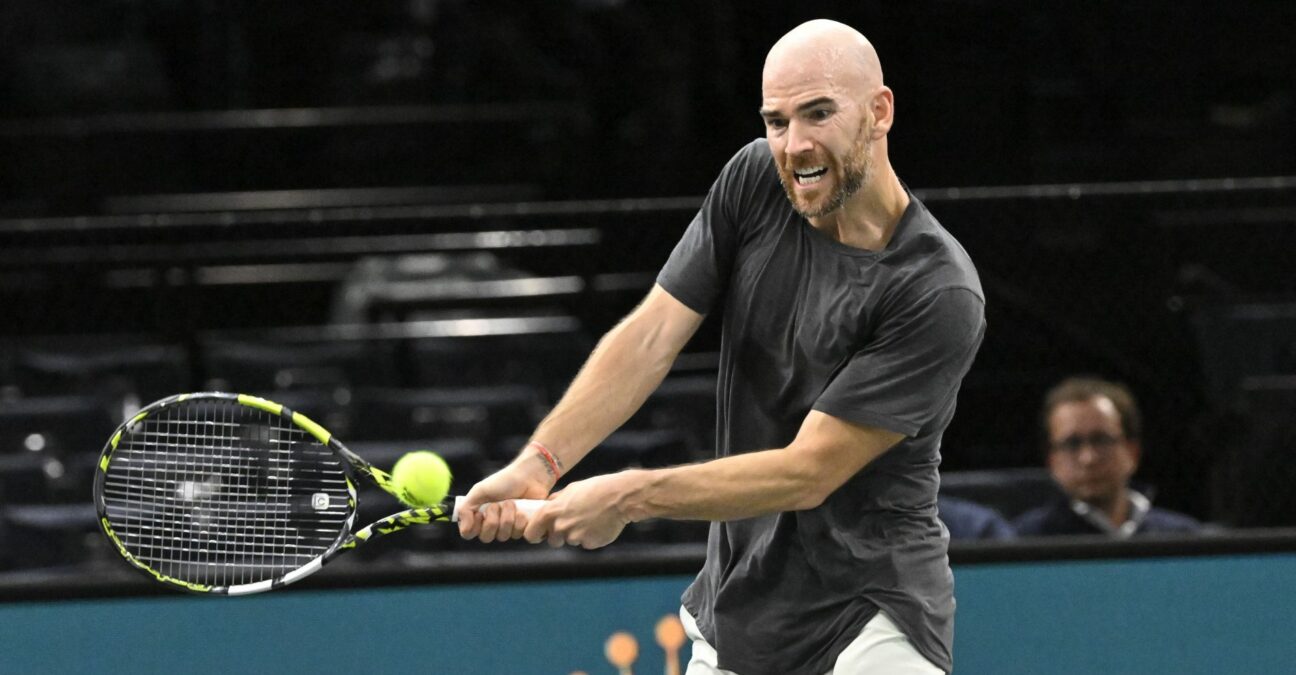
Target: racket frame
(353, 466)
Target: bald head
(824, 49)
(827, 114)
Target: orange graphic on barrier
(622, 649)
(670, 636)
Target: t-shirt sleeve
(902, 378)
(697, 272)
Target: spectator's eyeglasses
(1098, 441)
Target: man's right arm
(624, 369)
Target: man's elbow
(819, 471)
(809, 498)
(811, 489)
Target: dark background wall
(988, 92)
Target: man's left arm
(826, 452)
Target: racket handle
(527, 506)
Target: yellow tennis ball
(421, 478)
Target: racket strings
(217, 493)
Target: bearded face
(819, 183)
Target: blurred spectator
(1092, 434)
(966, 519)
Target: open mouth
(810, 176)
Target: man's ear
(882, 108)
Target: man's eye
(820, 115)
(776, 123)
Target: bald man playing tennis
(850, 317)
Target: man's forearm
(592, 513)
(825, 454)
(625, 368)
(742, 486)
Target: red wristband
(555, 467)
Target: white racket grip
(527, 506)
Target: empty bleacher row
(176, 162)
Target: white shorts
(880, 649)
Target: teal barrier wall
(1162, 616)
(551, 628)
(1209, 615)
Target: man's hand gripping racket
(233, 494)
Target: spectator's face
(1089, 455)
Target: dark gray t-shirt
(877, 338)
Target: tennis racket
(232, 494)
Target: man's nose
(799, 139)
(1087, 454)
